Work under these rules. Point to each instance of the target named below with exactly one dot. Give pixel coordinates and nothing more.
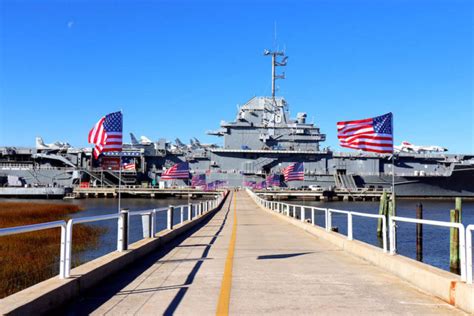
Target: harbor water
(435, 239)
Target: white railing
(350, 214)
(290, 210)
(465, 234)
(459, 226)
(469, 230)
(42, 226)
(148, 221)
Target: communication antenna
(276, 63)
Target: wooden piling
(419, 233)
(458, 206)
(382, 211)
(393, 205)
(454, 263)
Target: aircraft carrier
(261, 140)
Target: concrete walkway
(277, 269)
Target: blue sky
(177, 68)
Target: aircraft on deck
(410, 148)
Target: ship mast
(276, 63)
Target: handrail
(200, 208)
(462, 234)
(328, 216)
(41, 226)
(469, 230)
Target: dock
(322, 195)
(244, 259)
(275, 268)
(137, 191)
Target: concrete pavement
(277, 269)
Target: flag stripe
(373, 134)
(106, 134)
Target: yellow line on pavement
(224, 296)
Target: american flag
(177, 171)
(294, 172)
(198, 180)
(128, 164)
(261, 185)
(273, 180)
(106, 135)
(250, 184)
(372, 134)
(211, 186)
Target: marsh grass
(29, 258)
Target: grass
(29, 258)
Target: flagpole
(120, 182)
(393, 168)
(120, 171)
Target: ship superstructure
(261, 140)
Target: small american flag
(198, 180)
(177, 171)
(294, 172)
(261, 185)
(106, 135)
(372, 134)
(273, 180)
(129, 165)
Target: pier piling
(382, 211)
(458, 206)
(419, 233)
(454, 263)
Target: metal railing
(148, 220)
(42, 226)
(350, 214)
(469, 230)
(459, 226)
(465, 234)
(290, 210)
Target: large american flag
(198, 180)
(294, 172)
(177, 171)
(106, 135)
(372, 134)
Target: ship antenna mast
(276, 63)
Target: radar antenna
(276, 63)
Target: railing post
(326, 219)
(384, 233)
(169, 217)
(313, 210)
(146, 225)
(153, 223)
(329, 220)
(190, 211)
(391, 227)
(302, 215)
(122, 239)
(62, 256)
(67, 264)
(349, 226)
(469, 253)
(462, 250)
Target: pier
(137, 191)
(247, 257)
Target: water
(108, 240)
(435, 239)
